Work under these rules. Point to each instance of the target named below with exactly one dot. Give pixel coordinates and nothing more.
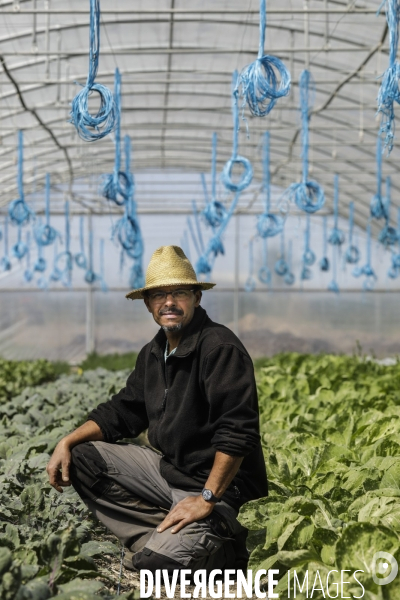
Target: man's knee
(87, 471)
(153, 561)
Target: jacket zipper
(164, 402)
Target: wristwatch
(208, 496)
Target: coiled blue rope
(64, 260)
(333, 285)
(389, 90)
(388, 235)
(226, 175)
(324, 262)
(56, 273)
(307, 195)
(18, 210)
(352, 255)
(214, 247)
(394, 270)
(94, 127)
(28, 273)
(264, 273)
(5, 263)
(377, 205)
(118, 186)
(268, 225)
(289, 276)
(19, 249)
(281, 267)
(45, 234)
(40, 263)
(250, 283)
(265, 80)
(336, 237)
(214, 212)
(367, 270)
(80, 258)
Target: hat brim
(138, 294)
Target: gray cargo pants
(122, 486)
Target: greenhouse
(258, 137)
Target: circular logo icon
(386, 565)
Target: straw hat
(168, 266)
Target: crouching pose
(174, 505)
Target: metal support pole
(90, 336)
(236, 290)
(47, 61)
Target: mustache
(175, 311)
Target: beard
(176, 327)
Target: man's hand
(188, 510)
(58, 466)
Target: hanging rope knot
(117, 187)
(65, 260)
(265, 80)
(19, 250)
(389, 90)
(136, 279)
(324, 264)
(216, 246)
(40, 265)
(309, 257)
(226, 175)
(388, 236)
(90, 276)
(289, 278)
(94, 127)
(214, 213)
(203, 266)
(306, 273)
(352, 255)
(250, 284)
(129, 236)
(44, 234)
(28, 275)
(281, 267)
(269, 225)
(5, 263)
(377, 207)
(308, 196)
(333, 287)
(19, 212)
(336, 237)
(264, 274)
(80, 260)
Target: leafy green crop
(17, 375)
(45, 545)
(330, 428)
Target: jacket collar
(190, 336)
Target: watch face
(207, 494)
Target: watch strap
(209, 496)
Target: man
(193, 388)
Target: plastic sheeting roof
(176, 59)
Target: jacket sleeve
(232, 395)
(124, 415)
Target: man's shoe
(127, 560)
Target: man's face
(172, 313)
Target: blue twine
(281, 267)
(214, 247)
(56, 273)
(264, 273)
(389, 90)
(226, 175)
(5, 263)
(289, 276)
(352, 255)
(268, 225)
(136, 278)
(28, 273)
(308, 255)
(333, 285)
(394, 270)
(80, 258)
(336, 237)
(94, 127)
(367, 269)
(45, 234)
(377, 205)
(250, 284)
(324, 262)
(265, 80)
(64, 260)
(118, 186)
(214, 212)
(18, 210)
(90, 275)
(19, 249)
(307, 195)
(388, 235)
(40, 264)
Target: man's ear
(146, 301)
(199, 295)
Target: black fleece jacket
(202, 399)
